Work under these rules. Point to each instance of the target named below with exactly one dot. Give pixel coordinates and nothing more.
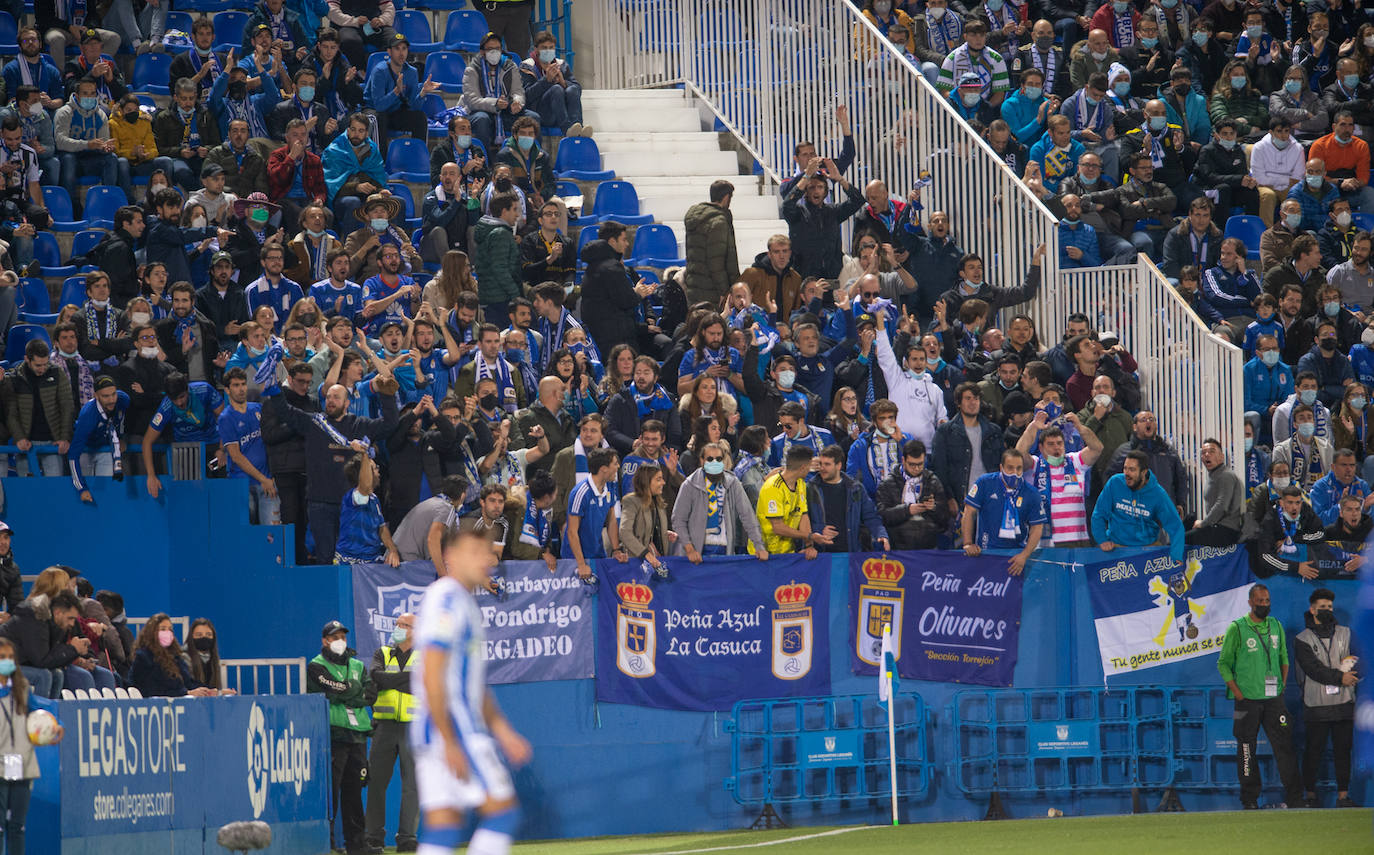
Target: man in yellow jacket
(132, 133)
(391, 716)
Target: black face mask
(1326, 617)
(309, 319)
(1182, 91)
(204, 645)
(502, 185)
(488, 401)
(238, 90)
(1328, 344)
(1261, 612)
(131, 116)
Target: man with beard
(632, 408)
(286, 454)
(389, 295)
(222, 300)
(1135, 510)
(187, 338)
(338, 296)
(245, 172)
(95, 448)
(488, 362)
(330, 440)
(34, 68)
(353, 169)
(272, 288)
(200, 62)
(911, 500)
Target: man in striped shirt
(1062, 478)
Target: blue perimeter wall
(598, 769)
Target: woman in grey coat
(644, 528)
(691, 511)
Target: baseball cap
(90, 36)
(221, 256)
(865, 318)
(211, 169)
(104, 382)
(399, 38)
(5, 528)
(388, 324)
(970, 78)
(332, 627)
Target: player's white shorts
(487, 776)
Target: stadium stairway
(658, 140)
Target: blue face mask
(515, 355)
(1351, 81)
(1307, 429)
(1357, 403)
(1123, 88)
(1314, 181)
(1292, 87)
(1168, 4)
(1120, 7)
(1158, 123)
(1270, 358)
(1238, 83)
(1227, 144)
(399, 635)
(1249, 444)
(1034, 92)
(525, 143)
(255, 351)
(462, 140)
(1308, 396)
(86, 103)
(306, 94)
(1200, 39)
(1091, 102)
(713, 467)
(1148, 43)
(994, 5)
(1332, 308)
(379, 224)
(7, 667)
(546, 55)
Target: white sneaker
(574, 130)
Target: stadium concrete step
(675, 205)
(677, 143)
(630, 165)
(750, 239)
(639, 111)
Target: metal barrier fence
(811, 749)
(264, 676)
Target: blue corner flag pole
(887, 696)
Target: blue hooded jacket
(1129, 517)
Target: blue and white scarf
(537, 526)
(655, 399)
(268, 367)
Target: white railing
(1191, 379)
(264, 676)
(773, 72)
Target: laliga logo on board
(792, 631)
(880, 603)
(274, 758)
(636, 641)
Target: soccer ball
(42, 727)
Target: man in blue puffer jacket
(1134, 510)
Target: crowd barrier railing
(264, 676)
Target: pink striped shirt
(1068, 509)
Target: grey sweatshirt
(1223, 498)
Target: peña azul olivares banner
(955, 619)
(712, 634)
(540, 628)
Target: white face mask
(148, 352)
(1343, 219)
(35, 109)
(197, 222)
(100, 304)
(1101, 401)
(140, 318)
(493, 57)
(1367, 337)
(338, 646)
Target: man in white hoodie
(920, 403)
(1277, 162)
(84, 146)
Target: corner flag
(887, 674)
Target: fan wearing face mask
(160, 667)
(551, 89)
(493, 93)
(343, 679)
(1327, 673)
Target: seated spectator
(353, 169)
(531, 168)
(1134, 509)
(1222, 166)
(458, 147)
(338, 80)
(135, 145)
(1330, 366)
(551, 89)
(1341, 481)
(1302, 114)
(1235, 97)
(1230, 289)
(1305, 392)
(1027, 110)
(321, 127)
(230, 102)
(1276, 163)
(1163, 461)
(546, 254)
(218, 204)
(395, 94)
(448, 211)
(1256, 458)
(34, 68)
(1268, 382)
(1337, 234)
(200, 63)
(1346, 158)
(493, 93)
(1266, 322)
(310, 252)
(1078, 243)
(203, 653)
(365, 245)
(160, 668)
(1316, 194)
(1002, 499)
(86, 671)
(1285, 536)
(1196, 241)
(975, 56)
(967, 100)
(644, 516)
(1351, 526)
(82, 131)
(39, 629)
(1057, 153)
(38, 408)
(1145, 205)
(295, 176)
(1276, 242)
(185, 133)
(1307, 455)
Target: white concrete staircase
(656, 140)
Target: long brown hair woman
(159, 669)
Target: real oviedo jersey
(450, 620)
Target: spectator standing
(1135, 510)
(185, 133)
(712, 260)
(496, 257)
(968, 446)
(241, 436)
(38, 407)
(1308, 456)
(611, 288)
(1164, 462)
(1002, 511)
(844, 507)
(18, 700)
(712, 508)
(782, 509)
(1255, 676)
(913, 504)
(1327, 673)
(362, 24)
(644, 527)
(1063, 478)
(1341, 481)
(546, 254)
(392, 713)
(1223, 501)
(814, 223)
(920, 403)
(343, 679)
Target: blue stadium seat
(415, 25)
(579, 159)
(402, 192)
(19, 337)
(566, 188)
(618, 200)
(84, 241)
(408, 160)
(49, 256)
(435, 108)
(446, 67)
(150, 73)
(229, 29)
(655, 246)
(1364, 222)
(101, 204)
(584, 237)
(33, 295)
(9, 35)
(648, 275)
(1248, 228)
(440, 5)
(59, 206)
(464, 30)
(73, 291)
(374, 59)
(180, 21)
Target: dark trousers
(14, 810)
(1212, 535)
(291, 492)
(390, 741)
(413, 122)
(1342, 740)
(1228, 197)
(1278, 726)
(346, 801)
(510, 21)
(355, 45)
(324, 527)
